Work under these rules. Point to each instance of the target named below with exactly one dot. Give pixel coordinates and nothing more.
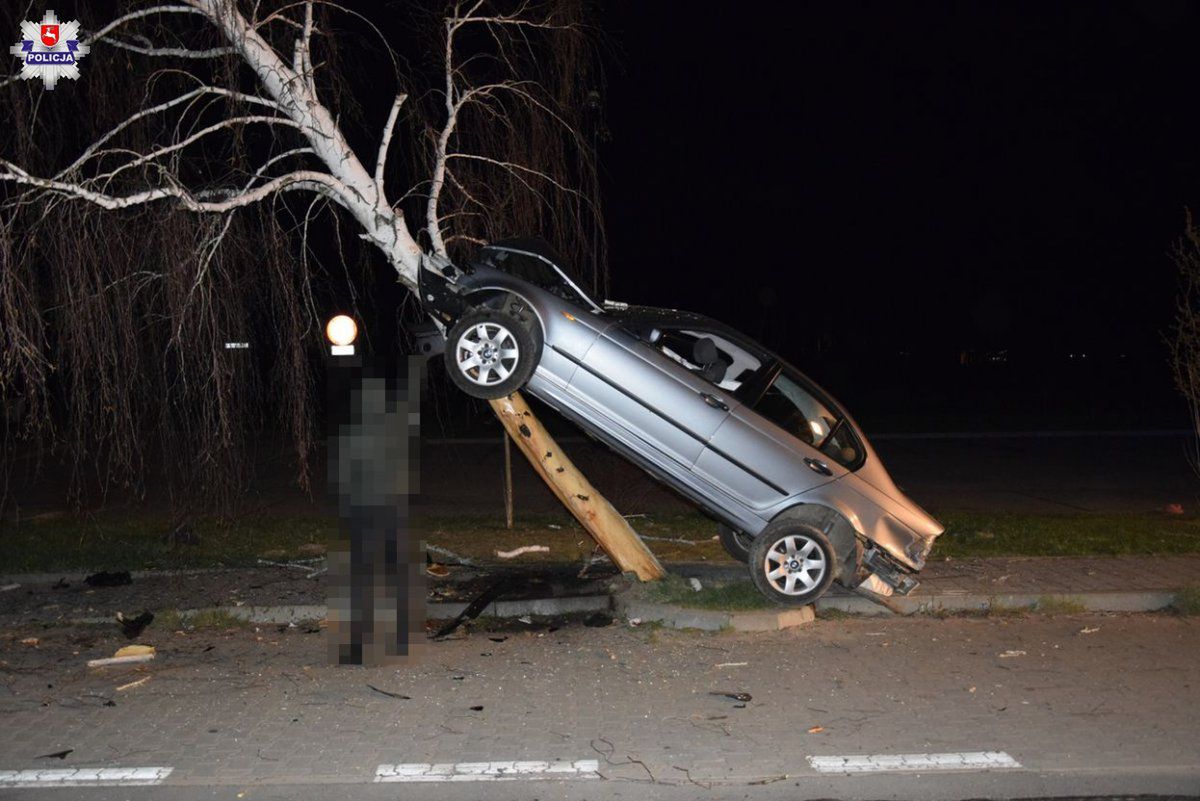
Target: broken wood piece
(133, 684)
(135, 650)
(515, 552)
(119, 660)
(125, 656)
(593, 511)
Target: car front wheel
(490, 354)
(791, 563)
(736, 543)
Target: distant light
(237, 345)
(341, 330)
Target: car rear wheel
(791, 563)
(490, 354)
(736, 543)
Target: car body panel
(600, 369)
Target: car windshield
(790, 405)
(537, 270)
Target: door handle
(714, 401)
(817, 466)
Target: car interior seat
(705, 354)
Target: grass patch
(1187, 601)
(735, 596)
(122, 541)
(125, 541)
(1050, 605)
(972, 534)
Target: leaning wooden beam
(593, 511)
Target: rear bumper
(889, 571)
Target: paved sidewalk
(1073, 696)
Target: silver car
(797, 490)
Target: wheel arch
(841, 533)
(495, 297)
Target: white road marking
(488, 771)
(83, 777)
(877, 763)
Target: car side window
(708, 354)
(793, 408)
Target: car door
(778, 445)
(655, 399)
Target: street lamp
(341, 331)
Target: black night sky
(857, 182)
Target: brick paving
(261, 706)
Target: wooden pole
(593, 511)
(508, 493)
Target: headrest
(704, 352)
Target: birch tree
(241, 138)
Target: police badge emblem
(49, 50)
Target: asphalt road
(1075, 705)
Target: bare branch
(300, 179)
(99, 35)
(170, 52)
(385, 140)
(161, 107)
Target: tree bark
(594, 512)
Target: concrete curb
(682, 617)
(1117, 601)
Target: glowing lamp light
(341, 331)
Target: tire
(508, 347)
(814, 565)
(736, 543)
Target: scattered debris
(1001, 579)
(816, 729)
(57, 754)
(308, 565)
(124, 656)
(695, 584)
(635, 621)
(771, 779)
(133, 684)
(477, 709)
(1008, 654)
(515, 552)
(1089, 630)
(31, 641)
(437, 570)
(481, 602)
(453, 557)
(61, 584)
(497, 639)
(743, 697)
(106, 579)
(731, 664)
(10, 587)
(1173, 508)
(555, 526)
(597, 620)
(132, 627)
(679, 540)
(389, 694)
